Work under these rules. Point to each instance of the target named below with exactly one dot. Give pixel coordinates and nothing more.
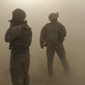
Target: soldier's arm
(63, 29)
(42, 36)
(12, 33)
(62, 32)
(30, 36)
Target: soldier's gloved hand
(45, 44)
(42, 46)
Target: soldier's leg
(26, 79)
(16, 70)
(26, 69)
(61, 53)
(50, 56)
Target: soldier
(52, 36)
(19, 36)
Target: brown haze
(72, 15)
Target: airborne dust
(72, 15)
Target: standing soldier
(19, 35)
(52, 36)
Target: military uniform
(19, 36)
(57, 32)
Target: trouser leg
(50, 57)
(61, 53)
(17, 81)
(27, 80)
(26, 70)
(16, 71)
(19, 67)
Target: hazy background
(72, 15)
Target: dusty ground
(39, 75)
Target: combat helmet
(18, 15)
(53, 16)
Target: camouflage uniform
(56, 46)
(19, 36)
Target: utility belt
(19, 50)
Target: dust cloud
(72, 15)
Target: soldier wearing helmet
(53, 16)
(18, 15)
(52, 37)
(19, 36)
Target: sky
(71, 15)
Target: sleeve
(43, 36)
(30, 36)
(63, 30)
(12, 33)
(62, 33)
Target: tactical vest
(22, 41)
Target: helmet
(53, 16)
(18, 15)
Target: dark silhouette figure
(52, 36)
(19, 36)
